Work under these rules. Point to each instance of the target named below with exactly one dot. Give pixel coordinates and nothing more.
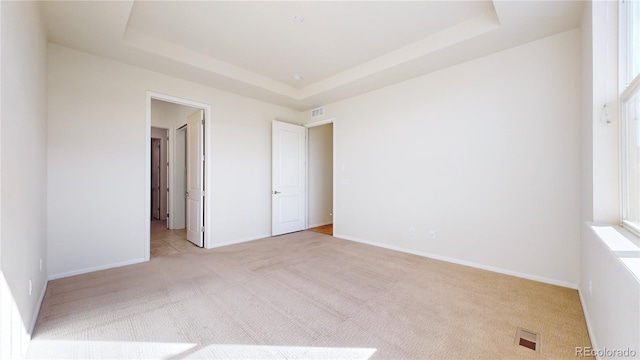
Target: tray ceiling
(339, 49)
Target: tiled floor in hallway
(166, 242)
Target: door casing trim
(333, 164)
(208, 203)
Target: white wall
(23, 157)
(486, 154)
(320, 165)
(610, 296)
(586, 115)
(604, 88)
(96, 187)
(168, 115)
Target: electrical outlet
(250, 222)
(412, 231)
(590, 288)
(432, 235)
(30, 286)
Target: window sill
(632, 228)
(624, 245)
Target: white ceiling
(341, 49)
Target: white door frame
(333, 163)
(207, 168)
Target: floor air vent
(528, 339)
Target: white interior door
(288, 213)
(195, 181)
(179, 214)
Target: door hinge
(167, 215)
(202, 121)
(202, 229)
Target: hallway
(324, 229)
(168, 242)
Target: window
(630, 112)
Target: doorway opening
(176, 175)
(320, 177)
(302, 177)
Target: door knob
(277, 192)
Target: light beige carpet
(304, 295)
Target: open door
(288, 212)
(195, 181)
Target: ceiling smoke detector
(297, 77)
(298, 18)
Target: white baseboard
(592, 335)
(462, 262)
(32, 326)
(95, 268)
(27, 337)
(15, 337)
(240, 241)
(320, 224)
